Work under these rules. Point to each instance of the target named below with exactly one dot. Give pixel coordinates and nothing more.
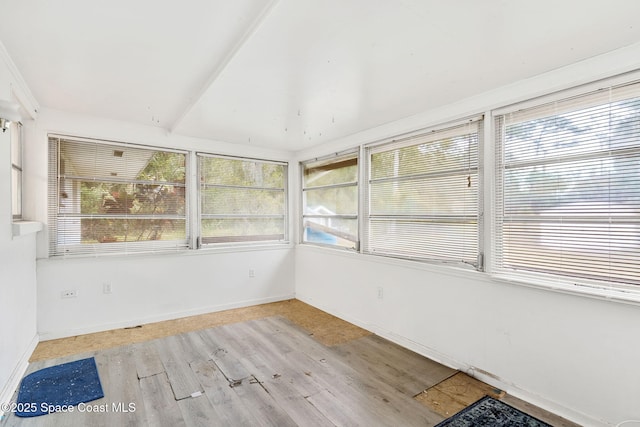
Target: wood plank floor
(263, 372)
(283, 363)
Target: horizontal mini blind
(242, 200)
(330, 201)
(423, 199)
(568, 188)
(106, 197)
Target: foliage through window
(108, 197)
(568, 188)
(330, 201)
(423, 199)
(242, 200)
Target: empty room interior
(328, 207)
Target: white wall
(572, 354)
(153, 288)
(146, 288)
(18, 335)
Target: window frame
(426, 136)
(17, 170)
(57, 250)
(570, 99)
(331, 160)
(241, 241)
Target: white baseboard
(493, 380)
(13, 382)
(52, 335)
(547, 405)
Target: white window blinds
(106, 197)
(330, 201)
(568, 188)
(423, 199)
(242, 200)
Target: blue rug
(493, 413)
(58, 387)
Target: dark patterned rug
(494, 413)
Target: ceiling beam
(246, 35)
(20, 89)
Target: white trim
(294, 202)
(185, 252)
(21, 90)
(492, 380)
(534, 399)
(243, 158)
(193, 199)
(458, 270)
(52, 335)
(109, 142)
(22, 228)
(531, 280)
(570, 92)
(332, 157)
(487, 193)
(10, 387)
(425, 134)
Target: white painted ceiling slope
(290, 74)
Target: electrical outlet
(252, 272)
(69, 293)
(106, 288)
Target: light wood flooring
(266, 371)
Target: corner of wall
(13, 382)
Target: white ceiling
(290, 74)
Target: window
(16, 170)
(330, 201)
(242, 200)
(107, 197)
(423, 200)
(568, 189)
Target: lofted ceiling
(290, 74)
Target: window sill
(170, 252)
(242, 247)
(613, 294)
(610, 294)
(22, 228)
